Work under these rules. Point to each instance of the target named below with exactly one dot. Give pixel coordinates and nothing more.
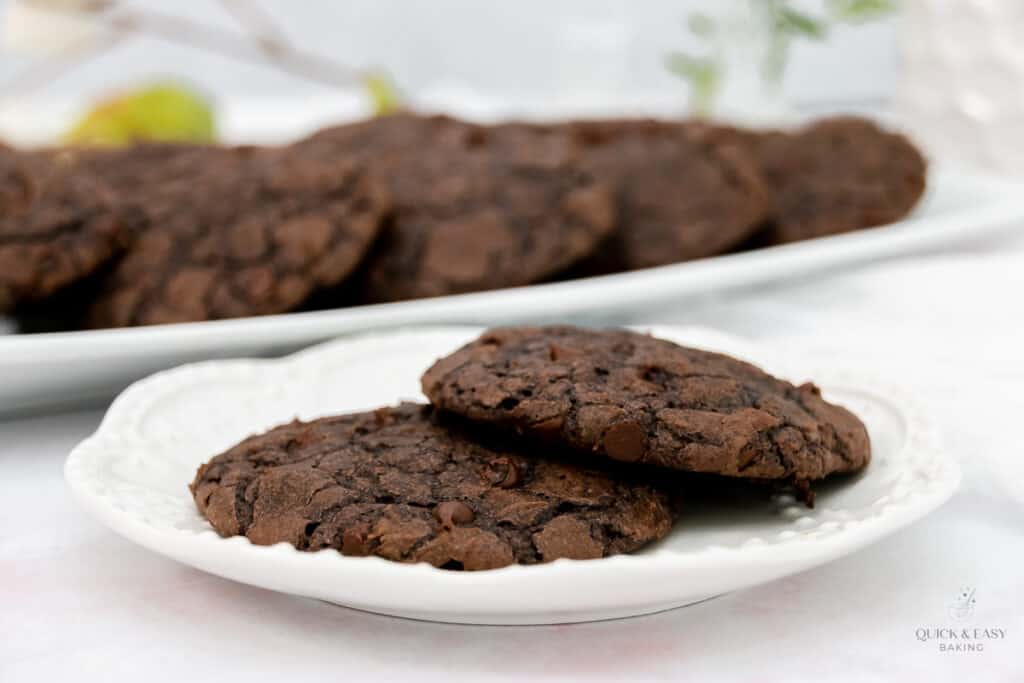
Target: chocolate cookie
(838, 175)
(471, 214)
(630, 397)
(140, 166)
(399, 484)
(149, 181)
(56, 227)
(225, 233)
(680, 195)
(387, 139)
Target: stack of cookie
(538, 444)
(410, 206)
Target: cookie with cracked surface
(134, 168)
(56, 227)
(148, 179)
(243, 232)
(400, 484)
(467, 220)
(631, 397)
(838, 175)
(471, 213)
(680, 195)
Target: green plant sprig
(784, 23)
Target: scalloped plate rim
(187, 546)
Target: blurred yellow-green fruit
(161, 112)
(384, 96)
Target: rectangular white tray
(47, 370)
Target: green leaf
(700, 24)
(792, 22)
(702, 74)
(162, 111)
(382, 92)
(689, 67)
(856, 11)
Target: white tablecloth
(79, 603)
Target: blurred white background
(949, 73)
(531, 55)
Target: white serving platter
(45, 370)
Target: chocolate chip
(803, 491)
(353, 542)
(811, 387)
(549, 427)
(510, 476)
(452, 512)
(654, 374)
(559, 352)
(625, 441)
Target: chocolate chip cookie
(631, 397)
(225, 233)
(680, 195)
(471, 214)
(400, 484)
(838, 175)
(56, 227)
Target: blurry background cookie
(838, 175)
(247, 231)
(146, 180)
(386, 139)
(680, 195)
(56, 227)
(470, 213)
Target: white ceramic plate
(46, 369)
(132, 474)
